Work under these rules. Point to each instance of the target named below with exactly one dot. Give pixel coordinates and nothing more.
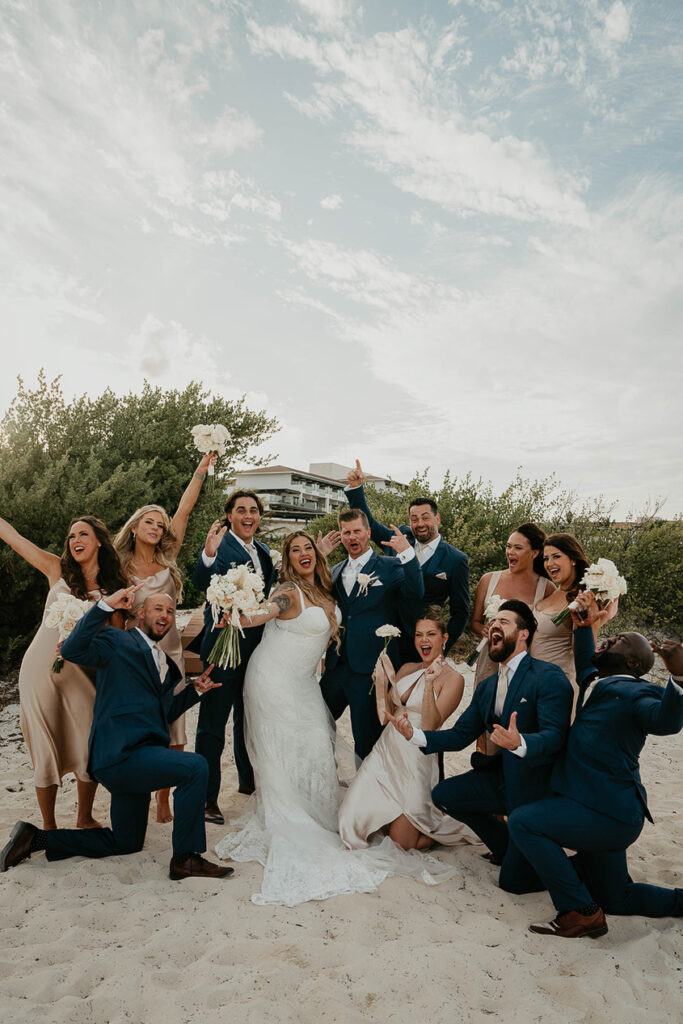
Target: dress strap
(493, 583)
(540, 590)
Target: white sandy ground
(109, 941)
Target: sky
(421, 234)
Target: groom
(128, 749)
(371, 592)
(231, 543)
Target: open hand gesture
(329, 542)
(671, 654)
(398, 542)
(401, 724)
(123, 598)
(509, 738)
(204, 683)
(355, 477)
(213, 538)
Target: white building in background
(292, 497)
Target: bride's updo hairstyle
(536, 537)
(434, 613)
(164, 552)
(322, 580)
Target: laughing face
(156, 616)
(626, 653)
(83, 543)
(559, 567)
(244, 518)
(504, 636)
(519, 553)
(302, 556)
(424, 523)
(429, 640)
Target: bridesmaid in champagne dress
(148, 545)
(392, 790)
(524, 580)
(56, 708)
(565, 562)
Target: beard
(503, 652)
(610, 664)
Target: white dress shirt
(425, 551)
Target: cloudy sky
(420, 232)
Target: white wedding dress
(290, 823)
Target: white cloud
(332, 202)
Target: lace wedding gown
(290, 824)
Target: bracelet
(200, 476)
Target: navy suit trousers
(214, 712)
(478, 799)
(342, 688)
(131, 783)
(542, 829)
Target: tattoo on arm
(282, 597)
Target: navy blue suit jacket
(599, 768)
(542, 696)
(399, 589)
(446, 561)
(230, 553)
(132, 708)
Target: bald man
(601, 804)
(128, 749)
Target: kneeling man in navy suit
(600, 805)
(128, 749)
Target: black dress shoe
(196, 866)
(213, 814)
(246, 790)
(492, 859)
(19, 846)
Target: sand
(89, 942)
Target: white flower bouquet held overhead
(602, 579)
(490, 611)
(211, 437)
(62, 615)
(237, 592)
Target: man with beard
(599, 803)
(534, 698)
(128, 749)
(444, 568)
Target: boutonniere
(365, 580)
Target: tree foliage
(106, 456)
(648, 551)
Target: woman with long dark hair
(56, 708)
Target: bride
(290, 824)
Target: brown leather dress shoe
(573, 925)
(213, 814)
(19, 846)
(197, 867)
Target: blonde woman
(148, 545)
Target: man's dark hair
(424, 501)
(234, 496)
(523, 614)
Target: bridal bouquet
(237, 592)
(211, 437)
(602, 579)
(490, 611)
(62, 615)
(387, 633)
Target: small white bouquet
(602, 579)
(211, 437)
(237, 592)
(62, 615)
(366, 580)
(387, 633)
(490, 611)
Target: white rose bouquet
(387, 633)
(238, 592)
(603, 579)
(210, 437)
(490, 611)
(62, 615)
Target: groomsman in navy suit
(371, 591)
(233, 543)
(444, 568)
(600, 805)
(534, 698)
(128, 749)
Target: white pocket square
(441, 576)
(523, 700)
(377, 583)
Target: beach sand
(109, 941)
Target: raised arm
(43, 561)
(355, 495)
(437, 708)
(189, 499)
(88, 643)
(201, 577)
